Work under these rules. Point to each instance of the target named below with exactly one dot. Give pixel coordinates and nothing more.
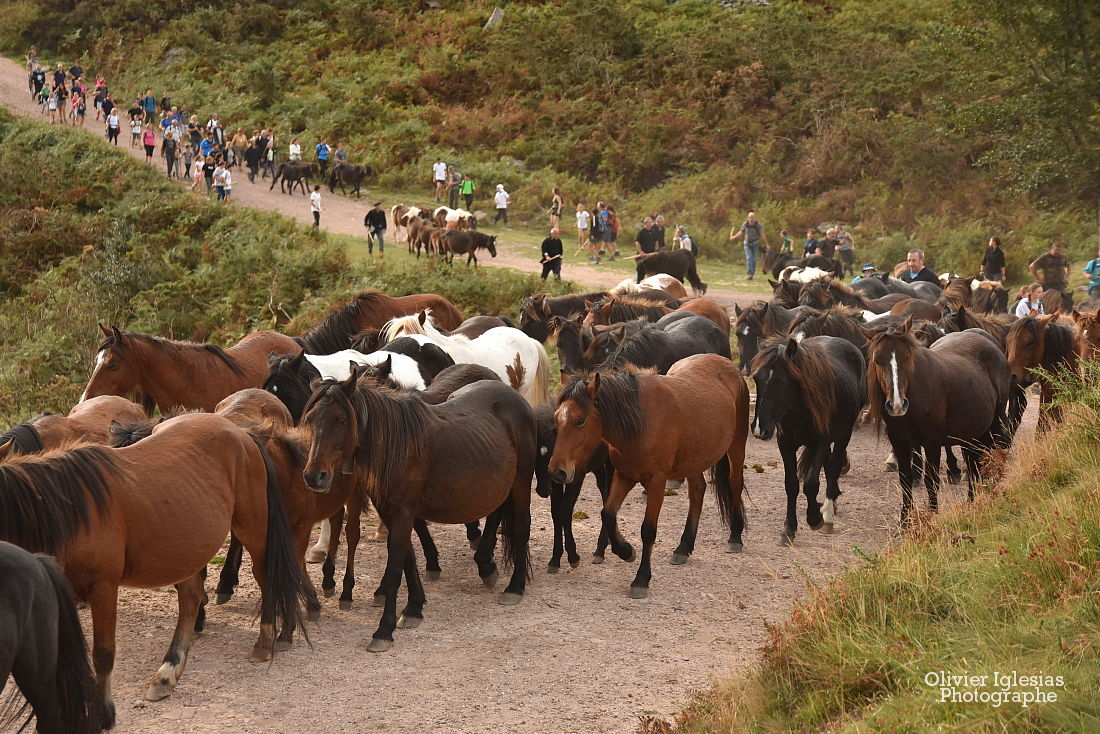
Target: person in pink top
(149, 140)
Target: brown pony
(371, 310)
(957, 294)
(166, 374)
(466, 242)
(470, 457)
(825, 292)
(615, 309)
(89, 421)
(918, 308)
(150, 515)
(1039, 343)
(536, 310)
(1087, 338)
(659, 427)
(952, 393)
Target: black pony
(536, 310)
(42, 646)
(809, 393)
(679, 334)
(466, 242)
(294, 173)
(756, 323)
(839, 321)
(345, 173)
(563, 497)
(825, 292)
(775, 262)
(24, 438)
(680, 264)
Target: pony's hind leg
(189, 594)
(413, 613)
(557, 514)
(516, 531)
(655, 497)
(431, 553)
(319, 551)
(473, 534)
(603, 482)
(483, 556)
(932, 475)
(788, 450)
(697, 487)
(230, 575)
(814, 457)
(834, 469)
(103, 599)
(954, 473)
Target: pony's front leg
(518, 536)
(431, 553)
(328, 568)
(604, 474)
(557, 510)
(483, 556)
(811, 481)
(413, 613)
(789, 451)
(319, 551)
(352, 533)
(954, 474)
(103, 599)
(834, 468)
(398, 544)
(655, 497)
(569, 504)
(473, 534)
(620, 487)
(905, 478)
(189, 595)
(697, 488)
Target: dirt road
(577, 655)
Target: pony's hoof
(678, 559)
(826, 528)
(597, 559)
(575, 564)
(433, 575)
(283, 645)
(890, 466)
(345, 604)
(551, 568)
(315, 556)
(380, 537)
(377, 644)
(328, 593)
(815, 526)
(313, 615)
(627, 554)
(491, 580)
(785, 540)
(734, 547)
(221, 597)
(474, 543)
(159, 690)
(260, 655)
(639, 592)
(408, 623)
(846, 468)
(379, 600)
(509, 598)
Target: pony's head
(590, 410)
(891, 356)
(749, 328)
(1026, 346)
(1087, 327)
(288, 378)
(117, 369)
(534, 313)
(791, 375)
(331, 421)
(417, 323)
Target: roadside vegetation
(1009, 583)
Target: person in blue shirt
(810, 246)
(867, 272)
(1092, 269)
(149, 104)
(322, 150)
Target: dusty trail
(576, 655)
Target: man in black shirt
(917, 270)
(552, 253)
(647, 239)
(1055, 273)
(76, 70)
(993, 262)
(375, 222)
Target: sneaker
(750, 276)
(611, 259)
(597, 262)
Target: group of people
(838, 244)
(449, 185)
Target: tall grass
(1009, 583)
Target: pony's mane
(876, 398)
(618, 402)
(956, 294)
(768, 316)
(838, 320)
(832, 291)
(334, 331)
(628, 308)
(172, 347)
(811, 369)
(44, 498)
(391, 429)
(1058, 340)
(970, 320)
(405, 325)
(120, 435)
(24, 438)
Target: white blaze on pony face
(897, 405)
(98, 363)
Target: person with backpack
(322, 150)
(753, 232)
(685, 241)
(375, 222)
(616, 227)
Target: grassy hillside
(1010, 583)
(91, 235)
(906, 119)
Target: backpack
(694, 247)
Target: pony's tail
(81, 708)
(724, 491)
(540, 391)
(287, 585)
(518, 554)
(693, 277)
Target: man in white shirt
(501, 198)
(439, 175)
(227, 187)
(315, 205)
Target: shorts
(992, 276)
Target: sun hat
(868, 266)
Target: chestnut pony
(89, 421)
(469, 457)
(659, 427)
(113, 517)
(371, 310)
(169, 374)
(1040, 343)
(954, 393)
(1087, 339)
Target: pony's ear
(6, 447)
(389, 364)
(116, 334)
(544, 306)
(348, 385)
(1051, 316)
(566, 378)
(594, 389)
(736, 310)
(105, 330)
(773, 284)
(297, 359)
(423, 317)
(588, 304)
(792, 348)
(868, 334)
(1077, 316)
(907, 325)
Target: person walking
(557, 203)
(1055, 273)
(786, 247)
(252, 160)
(239, 145)
(294, 151)
(809, 247)
(454, 181)
(187, 157)
(149, 104)
(1092, 269)
(208, 166)
(196, 171)
(322, 151)
(113, 127)
(616, 227)
(219, 179)
(552, 253)
(315, 206)
(659, 228)
(583, 218)
(501, 199)
(993, 261)
(168, 152)
(269, 156)
(466, 188)
(227, 184)
(847, 251)
(753, 232)
(684, 241)
(149, 140)
(341, 155)
(827, 247)
(645, 241)
(439, 177)
(375, 222)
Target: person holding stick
(552, 251)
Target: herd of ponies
(439, 419)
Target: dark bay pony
(615, 309)
(371, 310)
(345, 173)
(467, 242)
(785, 293)
(113, 517)
(953, 393)
(467, 458)
(659, 427)
(666, 342)
(536, 310)
(166, 374)
(1087, 338)
(775, 262)
(680, 264)
(825, 292)
(756, 323)
(42, 646)
(809, 393)
(838, 321)
(1040, 343)
(88, 421)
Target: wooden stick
(634, 257)
(550, 259)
